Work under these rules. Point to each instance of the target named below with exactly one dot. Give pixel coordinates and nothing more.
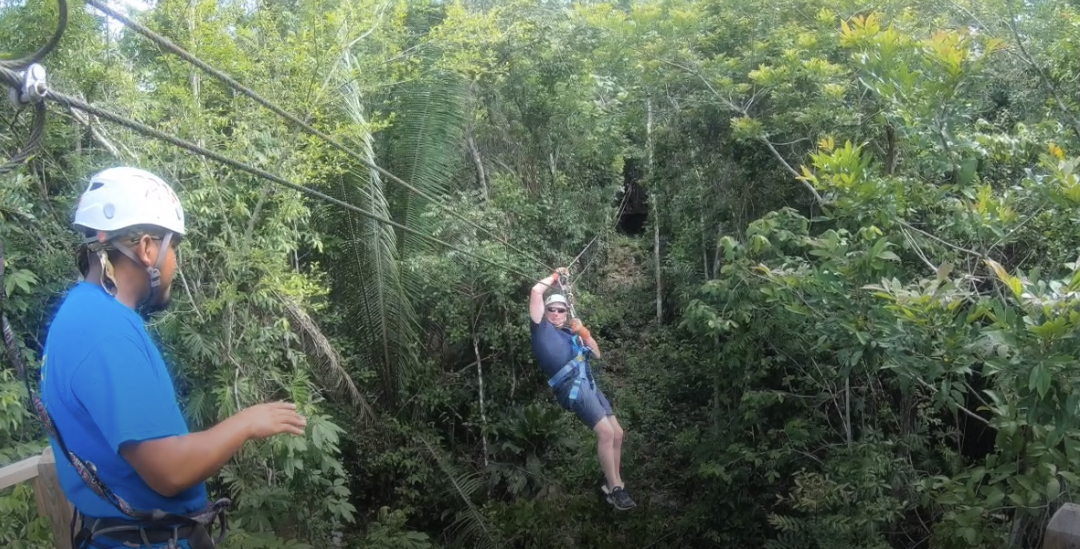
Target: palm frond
(317, 344)
(470, 523)
(425, 147)
(385, 323)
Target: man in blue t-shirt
(106, 387)
(562, 349)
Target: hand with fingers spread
(173, 464)
(272, 418)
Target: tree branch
(743, 111)
(98, 135)
(776, 153)
(918, 249)
(949, 244)
(958, 406)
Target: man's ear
(144, 250)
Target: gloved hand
(577, 328)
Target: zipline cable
(568, 288)
(583, 250)
(177, 50)
(37, 130)
(12, 79)
(61, 26)
(618, 213)
(28, 91)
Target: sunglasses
(556, 310)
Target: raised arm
(536, 300)
(592, 345)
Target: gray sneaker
(620, 498)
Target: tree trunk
(481, 178)
(704, 247)
(480, 378)
(655, 214)
(191, 48)
(718, 253)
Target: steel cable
(228, 80)
(37, 130)
(76, 103)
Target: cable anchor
(34, 87)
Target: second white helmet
(118, 198)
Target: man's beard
(157, 304)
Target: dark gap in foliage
(977, 438)
(636, 207)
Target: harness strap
(578, 364)
(163, 527)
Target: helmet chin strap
(154, 271)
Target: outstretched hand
(273, 418)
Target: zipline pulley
(34, 86)
(567, 289)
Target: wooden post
(1063, 532)
(51, 501)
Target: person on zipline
(105, 385)
(562, 348)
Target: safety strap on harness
(578, 364)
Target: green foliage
(23, 528)
(867, 226)
(388, 532)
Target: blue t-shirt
(104, 383)
(551, 346)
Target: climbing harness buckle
(34, 87)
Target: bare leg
(605, 450)
(617, 448)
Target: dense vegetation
(834, 270)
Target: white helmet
(555, 298)
(117, 198)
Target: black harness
(168, 528)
